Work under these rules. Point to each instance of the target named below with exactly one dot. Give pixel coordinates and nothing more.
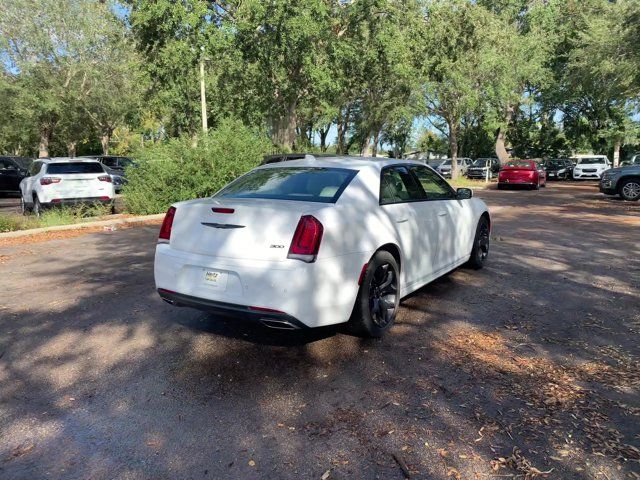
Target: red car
(528, 173)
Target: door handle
(402, 221)
(443, 214)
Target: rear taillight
(105, 178)
(165, 229)
(49, 180)
(306, 239)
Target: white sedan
(319, 241)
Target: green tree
(458, 38)
(59, 53)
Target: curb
(80, 226)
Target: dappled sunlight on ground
(525, 367)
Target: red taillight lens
(222, 210)
(165, 229)
(105, 178)
(306, 239)
(49, 180)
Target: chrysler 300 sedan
(319, 241)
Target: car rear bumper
(314, 294)
(56, 202)
(512, 181)
(272, 319)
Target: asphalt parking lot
(526, 368)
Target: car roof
(67, 160)
(586, 155)
(340, 161)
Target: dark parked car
(116, 167)
(12, 171)
(559, 168)
(623, 181)
(478, 168)
(635, 160)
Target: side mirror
(464, 193)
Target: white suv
(590, 166)
(65, 181)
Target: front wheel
(480, 250)
(630, 189)
(378, 297)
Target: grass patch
(53, 217)
(468, 183)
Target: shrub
(175, 170)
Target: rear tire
(378, 298)
(481, 241)
(37, 206)
(23, 206)
(630, 189)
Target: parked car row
(479, 168)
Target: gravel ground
(528, 368)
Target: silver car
(623, 181)
(444, 168)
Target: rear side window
(74, 167)
(307, 184)
(397, 185)
(34, 169)
(110, 161)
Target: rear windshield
(591, 160)
(74, 167)
(308, 184)
(518, 164)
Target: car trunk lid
(251, 229)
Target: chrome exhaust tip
(278, 324)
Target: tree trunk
(453, 148)
(105, 138)
(45, 138)
(284, 128)
(501, 150)
(616, 152)
(376, 141)
(343, 126)
(365, 149)
(71, 149)
(324, 132)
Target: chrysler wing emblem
(221, 225)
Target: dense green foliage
(536, 78)
(175, 170)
